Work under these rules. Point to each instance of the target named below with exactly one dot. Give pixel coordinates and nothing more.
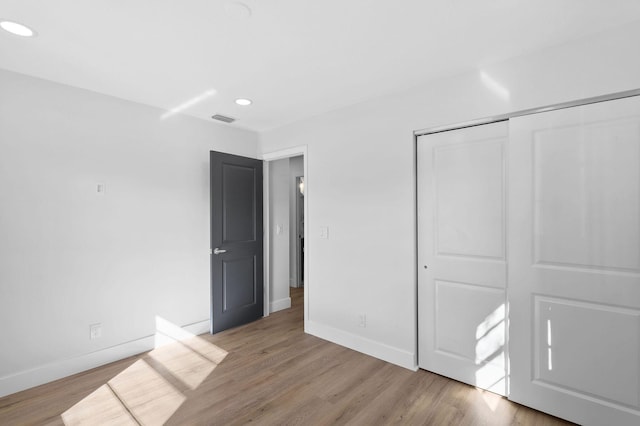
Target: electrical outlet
(363, 320)
(95, 331)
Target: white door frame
(267, 158)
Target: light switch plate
(324, 232)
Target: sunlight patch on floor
(183, 363)
(140, 394)
(491, 399)
(147, 395)
(101, 407)
(187, 357)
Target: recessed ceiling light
(244, 102)
(17, 29)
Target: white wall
(279, 242)
(71, 257)
(362, 180)
(296, 168)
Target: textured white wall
(69, 256)
(362, 179)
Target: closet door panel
(461, 250)
(574, 262)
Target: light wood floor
(268, 372)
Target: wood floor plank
(267, 372)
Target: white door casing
(574, 262)
(462, 243)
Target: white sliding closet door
(574, 262)
(461, 239)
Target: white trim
(415, 307)
(285, 153)
(507, 116)
(266, 238)
(361, 344)
(280, 304)
(277, 155)
(46, 373)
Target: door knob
(218, 251)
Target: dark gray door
(236, 241)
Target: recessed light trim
(244, 102)
(16, 28)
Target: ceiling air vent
(223, 118)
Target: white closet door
(574, 262)
(461, 255)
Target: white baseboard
(59, 369)
(280, 304)
(369, 347)
(26, 379)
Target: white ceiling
(293, 58)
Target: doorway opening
(286, 254)
(299, 225)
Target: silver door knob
(218, 251)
